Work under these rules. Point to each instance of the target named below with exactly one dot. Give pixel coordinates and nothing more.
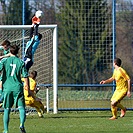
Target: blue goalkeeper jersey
(31, 47)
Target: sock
(22, 116)
(6, 118)
(120, 106)
(38, 111)
(114, 111)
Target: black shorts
(28, 63)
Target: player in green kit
(13, 69)
(5, 47)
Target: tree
(85, 40)
(13, 12)
(124, 31)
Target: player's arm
(1, 48)
(27, 87)
(127, 78)
(5, 56)
(107, 81)
(129, 88)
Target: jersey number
(13, 68)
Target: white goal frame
(55, 56)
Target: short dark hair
(39, 36)
(14, 49)
(6, 42)
(118, 61)
(33, 74)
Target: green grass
(72, 122)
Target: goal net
(45, 58)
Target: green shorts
(13, 98)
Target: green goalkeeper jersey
(13, 68)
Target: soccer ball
(38, 13)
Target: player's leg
(114, 112)
(6, 118)
(28, 63)
(120, 96)
(37, 106)
(42, 107)
(1, 93)
(22, 116)
(113, 106)
(31, 32)
(7, 104)
(20, 103)
(39, 112)
(36, 29)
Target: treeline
(84, 35)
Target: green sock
(6, 118)
(22, 116)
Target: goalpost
(45, 58)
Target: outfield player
(13, 68)
(5, 47)
(123, 88)
(34, 102)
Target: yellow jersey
(32, 88)
(121, 78)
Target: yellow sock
(114, 111)
(40, 114)
(120, 106)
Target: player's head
(38, 14)
(117, 61)
(39, 36)
(14, 49)
(33, 74)
(6, 44)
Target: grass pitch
(72, 122)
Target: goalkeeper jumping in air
(123, 88)
(34, 41)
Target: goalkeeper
(34, 102)
(34, 41)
